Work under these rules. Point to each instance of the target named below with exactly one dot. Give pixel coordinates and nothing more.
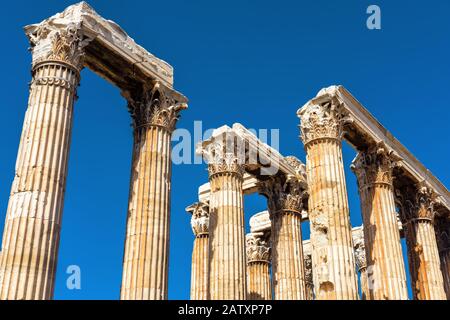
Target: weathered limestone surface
(333, 259)
(309, 281)
(145, 265)
(33, 220)
(373, 169)
(200, 252)
(258, 266)
(443, 238)
(227, 236)
(361, 261)
(423, 254)
(285, 201)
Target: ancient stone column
(227, 272)
(155, 111)
(361, 261)
(200, 252)
(333, 258)
(33, 220)
(443, 237)
(285, 201)
(423, 255)
(309, 281)
(258, 267)
(373, 169)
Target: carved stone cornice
(299, 167)
(323, 120)
(284, 194)
(200, 218)
(359, 248)
(257, 248)
(52, 43)
(375, 166)
(154, 106)
(416, 202)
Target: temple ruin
(399, 197)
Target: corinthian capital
(375, 165)
(155, 105)
(51, 42)
(224, 152)
(257, 248)
(322, 120)
(200, 218)
(284, 194)
(416, 202)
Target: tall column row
(33, 220)
(332, 249)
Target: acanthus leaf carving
(257, 248)
(155, 106)
(323, 120)
(416, 202)
(284, 194)
(50, 42)
(200, 218)
(375, 165)
(225, 154)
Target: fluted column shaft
(427, 281)
(445, 268)
(258, 278)
(417, 212)
(227, 274)
(147, 237)
(331, 239)
(385, 264)
(286, 197)
(33, 219)
(364, 280)
(200, 252)
(329, 215)
(200, 268)
(146, 256)
(287, 257)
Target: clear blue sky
(253, 62)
